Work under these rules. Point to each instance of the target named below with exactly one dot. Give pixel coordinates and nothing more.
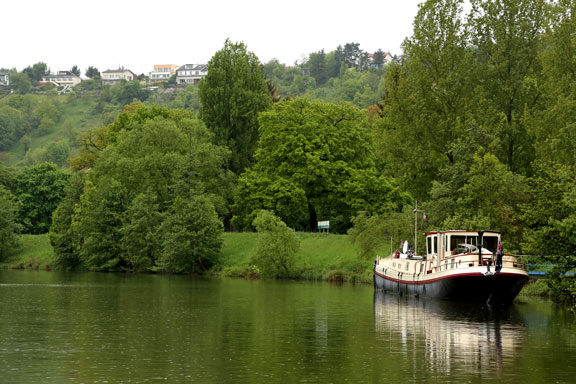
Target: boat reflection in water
(450, 337)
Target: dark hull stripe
(473, 287)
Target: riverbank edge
(322, 256)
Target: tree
(351, 54)
(232, 95)
(373, 233)
(550, 224)
(57, 152)
(153, 163)
(12, 126)
(378, 58)
(63, 237)
(428, 99)
(276, 247)
(7, 176)
(9, 228)
(92, 72)
(553, 126)
(507, 34)
(140, 238)
(317, 65)
(335, 61)
(318, 156)
(39, 190)
(36, 72)
(75, 70)
(191, 236)
(20, 83)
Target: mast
(416, 210)
(416, 228)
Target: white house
(62, 79)
(162, 72)
(191, 73)
(4, 78)
(115, 76)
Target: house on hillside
(191, 73)
(387, 59)
(62, 79)
(4, 78)
(115, 76)
(162, 72)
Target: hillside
(78, 115)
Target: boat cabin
(443, 245)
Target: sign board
(323, 225)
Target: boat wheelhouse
(457, 265)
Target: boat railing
(541, 270)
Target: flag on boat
(424, 217)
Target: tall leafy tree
(92, 72)
(507, 34)
(9, 227)
(13, 125)
(39, 190)
(351, 54)
(190, 236)
(232, 95)
(316, 158)
(20, 83)
(63, 237)
(335, 61)
(378, 58)
(317, 65)
(553, 126)
(132, 213)
(36, 71)
(428, 98)
(75, 70)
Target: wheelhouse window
(432, 244)
(490, 243)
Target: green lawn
(34, 252)
(322, 256)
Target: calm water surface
(108, 328)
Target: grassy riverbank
(34, 252)
(321, 256)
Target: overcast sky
(138, 34)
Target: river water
(116, 328)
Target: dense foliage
(154, 199)
(232, 95)
(314, 161)
(476, 120)
(39, 190)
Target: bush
(276, 247)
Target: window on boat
(432, 244)
(456, 240)
(490, 243)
